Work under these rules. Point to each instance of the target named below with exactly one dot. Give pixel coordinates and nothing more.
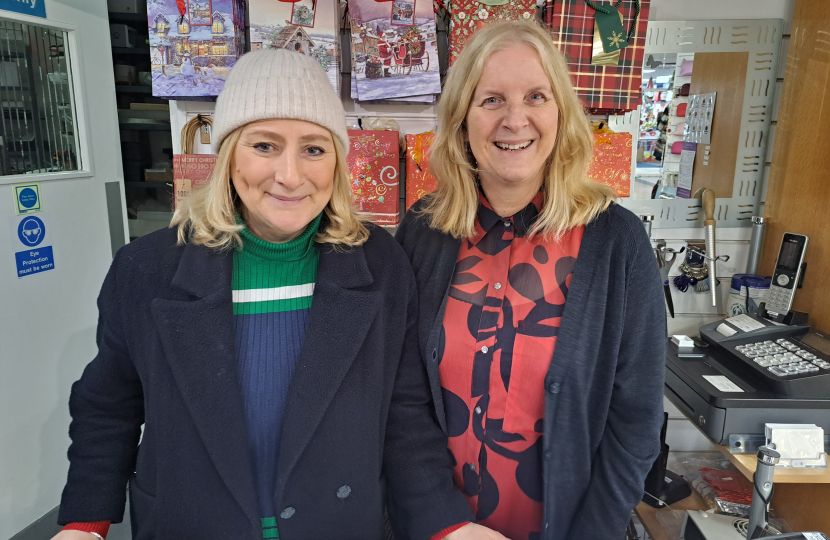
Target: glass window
(38, 128)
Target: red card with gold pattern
(373, 170)
(611, 164)
(419, 181)
(468, 16)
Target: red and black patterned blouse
(503, 312)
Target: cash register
(752, 369)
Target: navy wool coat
(359, 406)
(604, 387)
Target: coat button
(288, 512)
(343, 492)
(554, 388)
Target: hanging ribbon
(182, 10)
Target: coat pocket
(142, 512)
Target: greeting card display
(394, 49)
(194, 44)
(307, 27)
(419, 181)
(373, 169)
(611, 164)
(468, 16)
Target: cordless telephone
(788, 270)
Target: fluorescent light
(648, 71)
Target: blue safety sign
(31, 231)
(35, 8)
(27, 198)
(33, 261)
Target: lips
(513, 147)
(288, 200)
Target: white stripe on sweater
(275, 293)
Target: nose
(287, 173)
(515, 117)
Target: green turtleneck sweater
(272, 291)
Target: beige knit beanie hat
(276, 83)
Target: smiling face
(283, 171)
(512, 119)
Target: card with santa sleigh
(394, 53)
(307, 27)
(194, 44)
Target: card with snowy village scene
(393, 60)
(192, 53)
(308, 27)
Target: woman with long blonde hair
(541, 317)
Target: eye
(537, 96)
(315, 151)
(263, 147)
(491, 100)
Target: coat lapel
(199, 342)
(340, 318)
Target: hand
(471, 531)
(81, 535)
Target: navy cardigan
(358, 409)
(604, 388)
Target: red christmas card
(190, 172)
(611, 163)
(373, 169)
(419, 181)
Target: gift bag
(309, 27)
(603, 89)
(394, 47)
(373, 171)
(419, 181)
(611, 164)
(192, 171)
(467, 16)
(194, 44)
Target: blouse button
(484, 349)
(506, 223)
(478, 410)
(472, 467)
(497, 286)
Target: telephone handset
(788, 273)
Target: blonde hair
(207, 216)
(571, 198)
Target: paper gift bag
(467, 16)
(394, 49)
(419, 181)
(190, 172)
(603, 89)
(192, 53)
(309, 27)
(611, 164)
(373, 170)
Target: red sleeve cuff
(447, 531)
(97, 527)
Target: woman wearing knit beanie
(267, 343)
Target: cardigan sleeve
(416, 463)
(107, 409)
(631, 437)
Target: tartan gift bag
(419, 181)
(611, 163)
(467, 16)
(603, 89)
(373, 170)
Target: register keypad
(782, 357)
